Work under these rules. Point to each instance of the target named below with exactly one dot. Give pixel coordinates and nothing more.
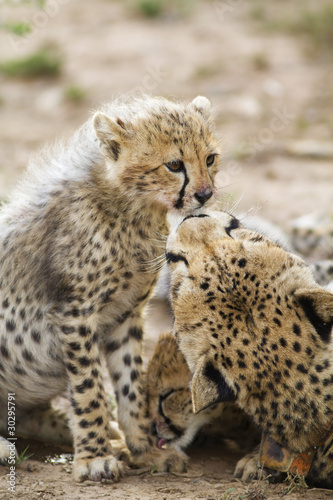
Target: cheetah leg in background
(124, 361)
(45, 424)
(51, 425)
(90, 414)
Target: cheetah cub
(170, 403)
(79, 243)
(255, 328)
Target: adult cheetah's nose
(204, 194)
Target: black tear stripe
(234, 224)
(172, 257)
(225, 391)
(173, 428)
(180, 203)
(323, 329)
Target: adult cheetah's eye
(210, 160)
(175, 165)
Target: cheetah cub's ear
(208, 386)
(317, 304)
(202, 105)
(111, 133)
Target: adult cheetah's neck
(298, 412)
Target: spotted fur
(255, 328)
(170, 403)
(312, 235)
(80, 243)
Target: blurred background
(266, 66)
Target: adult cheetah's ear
(202, 105)
(317, 304)
(209, 387)
(111, 133)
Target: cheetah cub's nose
(204, 195)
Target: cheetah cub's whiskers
(80, 250)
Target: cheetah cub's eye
(210, 160)
(175, 165)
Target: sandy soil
(274, 112)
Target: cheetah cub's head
(169, 396)
(253, 326)
(160, 152)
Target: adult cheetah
(255, 328)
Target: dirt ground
(272, 93)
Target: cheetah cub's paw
(120, 450)
(97, 469)
(7, 451)
(168, 460)
(247, 467)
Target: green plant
(112, 402)
(317, 27)
(302, 123)
(227, 493)
(150, 8)
(14, 3)
(157, 8)
(296, 483)
(74, 93)
(44, 62)
(17, 28)
(314, 26)
(257, 490)
(23, 456)
(258, 13)
(208, 70)
(260, 61)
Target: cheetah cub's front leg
(125, 365)
(90, 416)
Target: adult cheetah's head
(249, 318)
(164, 153)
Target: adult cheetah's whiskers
(163, 237)
(162, 266)
(226, 186)
(162, 256)
(161, 244)
(233, 208)
(157, 268)
(154, 264)
(250, 212)
(225, 201)
(151, 265)
(224, 204)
